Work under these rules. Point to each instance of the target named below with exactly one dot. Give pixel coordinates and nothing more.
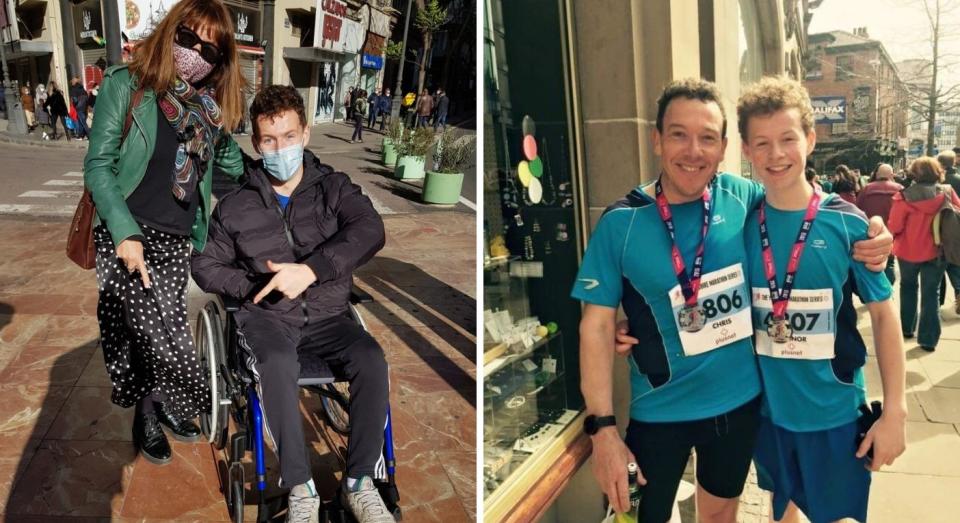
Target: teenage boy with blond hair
(798, 245)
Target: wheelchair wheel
(211, 352)
(336, 406)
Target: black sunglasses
(185, 37)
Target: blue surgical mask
(283, 164)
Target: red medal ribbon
(690, 285)
(781, 297)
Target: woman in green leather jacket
(152, 193)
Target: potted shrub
(394, 136)
(412, 151)
(453, 155)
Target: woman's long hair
(155, 68)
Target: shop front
(88, 28)
(246, 26)
(532, 235)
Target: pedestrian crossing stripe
(74, 174)
(38, 210)
(51, 194)
(68, 183)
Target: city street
(66, 453)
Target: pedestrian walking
(443, 107)
(424, 108)
(876, 199)
(26, 99)
(153, 205)
(360, 108)
(56, 106)
(406, 109)
(348, 101)
(846, 185)
(947, 160)
(911, 219)
(386, 107)
(43, 117)
(79, 98)
(374, 108)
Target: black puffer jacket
(330, 226)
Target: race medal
(779, 330)
(778, 327)
(691, 318)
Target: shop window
(531, 249)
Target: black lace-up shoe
(182, 430)
(150, 440)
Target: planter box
(409, 168)
(442, 188)
(389, 153)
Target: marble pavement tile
(95, 372)
(16, 451)
(30, 409)
(37, 365)
(88, 414)
(17, 329)
(461, 469)
(186, 488)
(74, 478)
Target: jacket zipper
(286, 230)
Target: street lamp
(16, 120)
(397, 93)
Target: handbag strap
(134, 102)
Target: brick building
(860, 100)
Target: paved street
(65, 452)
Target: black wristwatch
(592, 424)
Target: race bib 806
(726, 305)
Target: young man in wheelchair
(286, 243)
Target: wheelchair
(233, 395)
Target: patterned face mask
(191, 67)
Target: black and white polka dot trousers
(145, 335)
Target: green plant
(415, 142)
(453, 154)
(393, 50)
(395, 131)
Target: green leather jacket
(112, 171)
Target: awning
(25, 48)
(310, 54)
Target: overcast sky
(901, 25)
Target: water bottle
(632, 515)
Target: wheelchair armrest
(358, 295)
(231, 304)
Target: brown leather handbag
(80, 246)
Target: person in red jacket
(876, 199)
(911, 222)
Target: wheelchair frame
(233, 392)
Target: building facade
(860, 101)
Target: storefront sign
(829, 109)
(138, 18)
(328, 30)
(372, 62)
(246, 25)
(88, 22)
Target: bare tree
(430, 17)
(935, 97)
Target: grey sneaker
(365, 503)
(303, 504)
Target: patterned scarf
(196, 117)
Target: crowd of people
(908, 201)
(425, 110)
(46, 105)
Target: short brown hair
(691, 89)
(274, 100)
(772, 94)
(154, 67)
(926, 169)
(947, 159)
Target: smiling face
(777, 146)
(690, 147)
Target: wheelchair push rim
(212, 356)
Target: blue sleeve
(871, 286)
(600, 278)
(749, 191)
